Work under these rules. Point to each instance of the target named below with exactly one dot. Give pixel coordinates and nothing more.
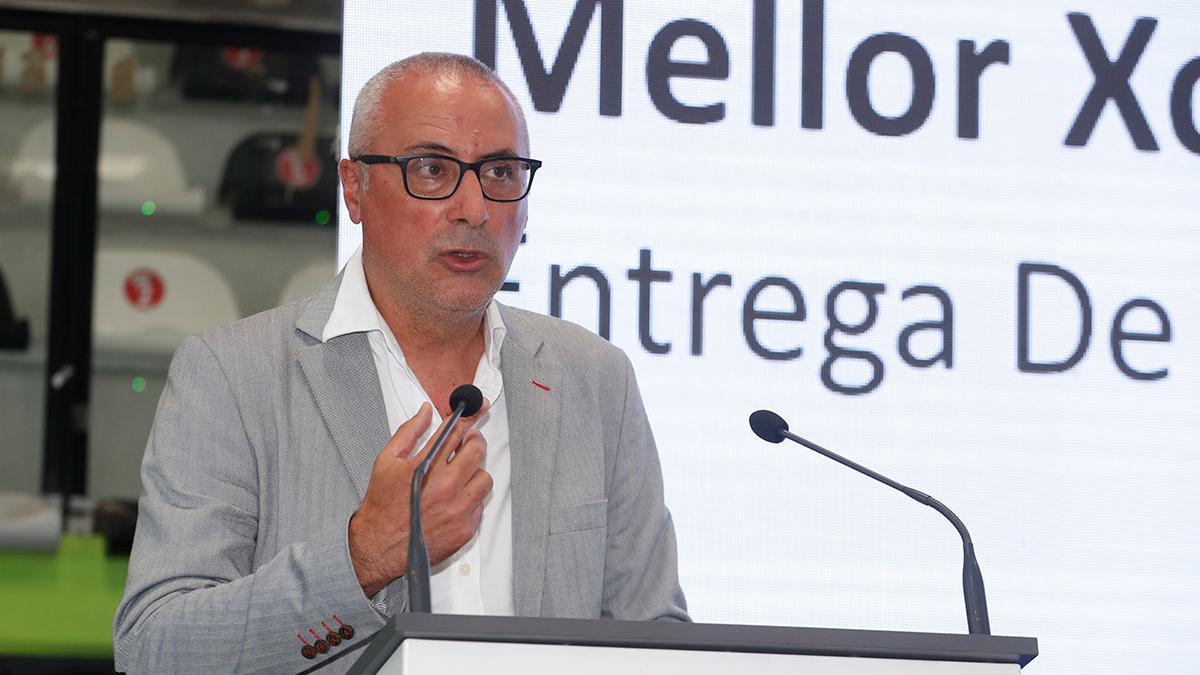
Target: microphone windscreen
(469, 396)
(768, 425)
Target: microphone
(773, 429)
(465, 401)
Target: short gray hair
(365, 122)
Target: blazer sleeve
(194, 600)
(641, 578)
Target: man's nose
(472, 205)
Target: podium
(413, 644)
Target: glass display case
(216, 193)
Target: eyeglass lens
(436, 177)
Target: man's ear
(352, 188)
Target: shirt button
(464, 569)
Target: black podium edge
(694, 637)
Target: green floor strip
(62, 602)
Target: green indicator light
(148, 208)
(138, 384)
(322, 217)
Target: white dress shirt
(478, 579)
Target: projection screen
(954, 241)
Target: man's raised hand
(451, 502)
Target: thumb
(408, 433)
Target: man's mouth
(464, 260)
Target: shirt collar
(494, 332)
(353, 309)
(354, 312)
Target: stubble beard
(460, 298)
(448, 302)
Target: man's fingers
(478, 486)
(453, 441)
(408, 433)
(469, 428)
(420, 456)
(470, 454)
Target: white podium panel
(423, 656)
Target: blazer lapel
(533, 427)
(342, 377)
(341, 374)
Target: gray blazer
(262, 448)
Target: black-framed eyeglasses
(431, 176)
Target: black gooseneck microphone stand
(772, 428)
(465, 401)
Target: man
(274, 506)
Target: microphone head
(768, 425)
(469, 396)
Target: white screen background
(1080, 487)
